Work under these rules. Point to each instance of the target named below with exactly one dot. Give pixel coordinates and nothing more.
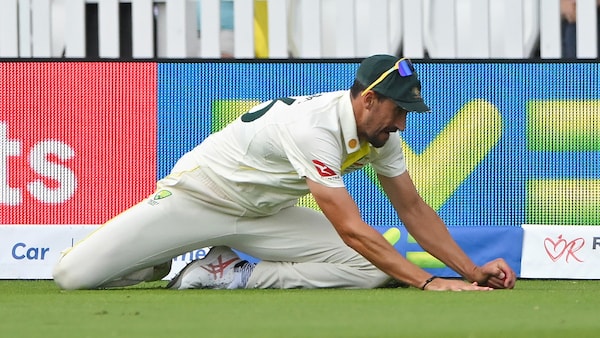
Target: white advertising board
(569, 252)
(31, 251)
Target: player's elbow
(351, 237)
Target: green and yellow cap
(393, 78)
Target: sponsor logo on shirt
(323, 169)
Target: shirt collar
(348, 124)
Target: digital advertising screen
(506, 144)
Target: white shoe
(214, 271)
(241, 275)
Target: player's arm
(339, 207)
(431, 233)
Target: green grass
(536, 308)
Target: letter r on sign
(595, 243)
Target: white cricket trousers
(298, 247)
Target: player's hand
(440, 284)
(497, 274)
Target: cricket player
(239, 188)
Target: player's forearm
(342, 212)
(371, 245)
(432, 235)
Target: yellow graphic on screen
(455, 152)
(225, 111)
(563, 126)
(563, 201)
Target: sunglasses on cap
(404, 66)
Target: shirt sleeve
(389, 160)
(315, 154)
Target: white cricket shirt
(261, 159)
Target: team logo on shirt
(158, 196)
(323, 169)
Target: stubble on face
(380, 121)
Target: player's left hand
(497, 274)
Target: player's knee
(66, 277)
(61, 278)
(373, 279)
(370, 283)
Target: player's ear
(368, 98)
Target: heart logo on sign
(560, 247)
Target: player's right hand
(496, 274)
